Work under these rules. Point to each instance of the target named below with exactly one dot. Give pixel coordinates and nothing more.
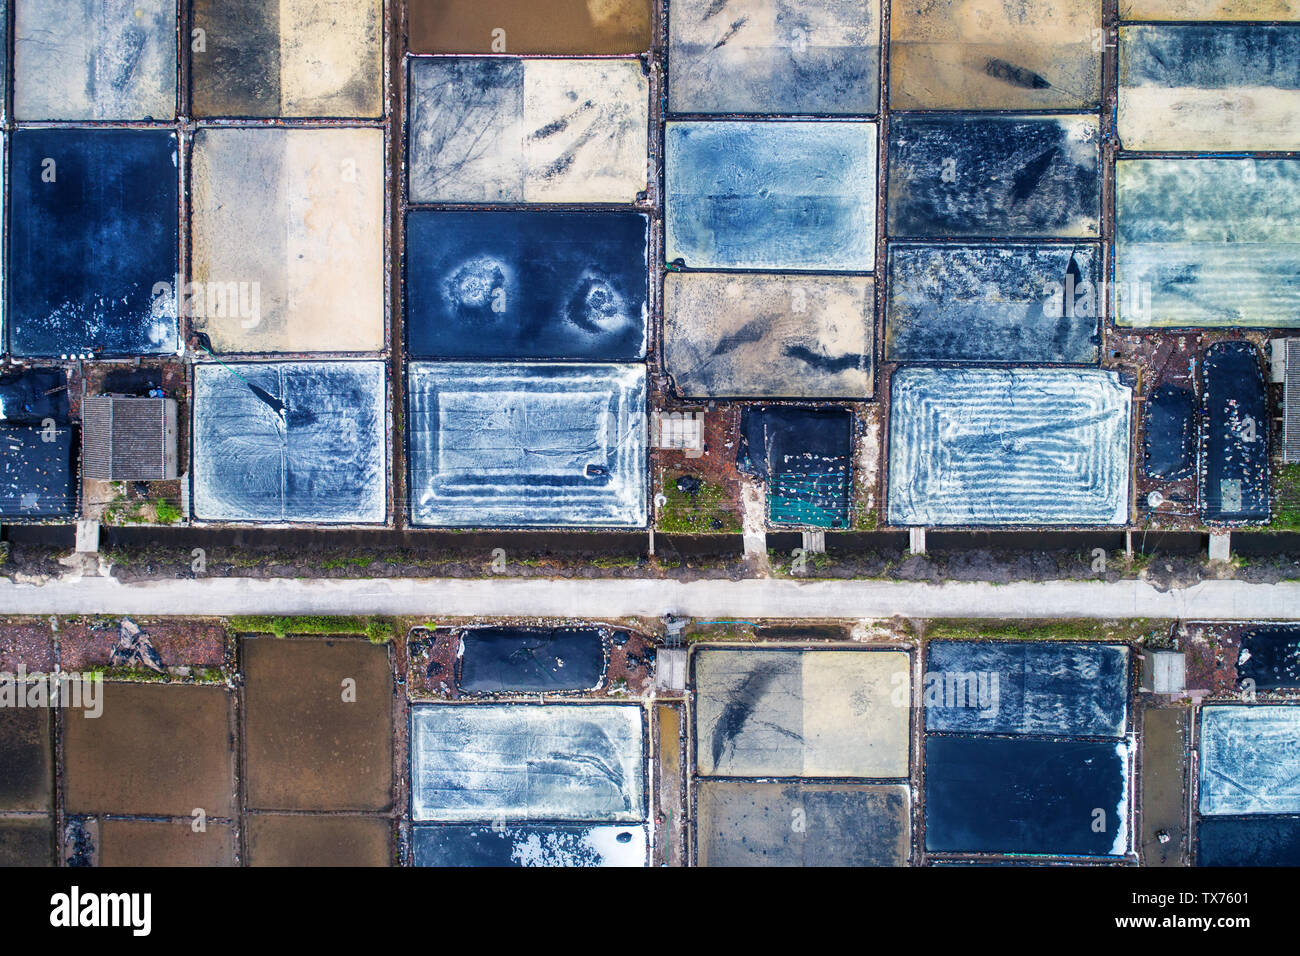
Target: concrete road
(609, 598)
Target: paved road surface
(765, 598)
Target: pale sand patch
(331, 58)
(1187, 118)
(300, 212)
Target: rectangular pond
(517, 762)
(323, 460)
(771, 195)
(1011, 303)
(527, 445)
(1026, 796)
(527, 285)
(769, 336)
(994, 687)
(1014, 446)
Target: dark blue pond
(35, 474)
(526, 285)
(1170, 435)
(1260, 841)
(574, 845)
(94, 224)
(531, 659)
(996, 794)
(1234, 435)
(1018, 688)
(29, 396)
(1211, 56)
(960, 175)
(1270, 656)
(1009, 303)
(803, 456)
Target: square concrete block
(318, 724)
(276, 840)
(154, 750)
(995, 54)
(94, 59)
(792, 713)
(288, 240)
(289, 58)
(488, 130)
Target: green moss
(1069, 629)
(1287, 497)
(617, 561)
(378, 629)
(360, 561)
(708, 511)
(166, 512)
(124, 512)
(141, 676)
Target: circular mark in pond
(476, 286)
(596, 305)
(624, 837)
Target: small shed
(1164, 672)
(128, 438)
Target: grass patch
(379, 630)
(616, 561)
(124, 512)
(708, 511)
(133, 675)
(166, 512)
(1070, 629)
(868, 520)
(701, 632)
(1288, 499)
(360, 561)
